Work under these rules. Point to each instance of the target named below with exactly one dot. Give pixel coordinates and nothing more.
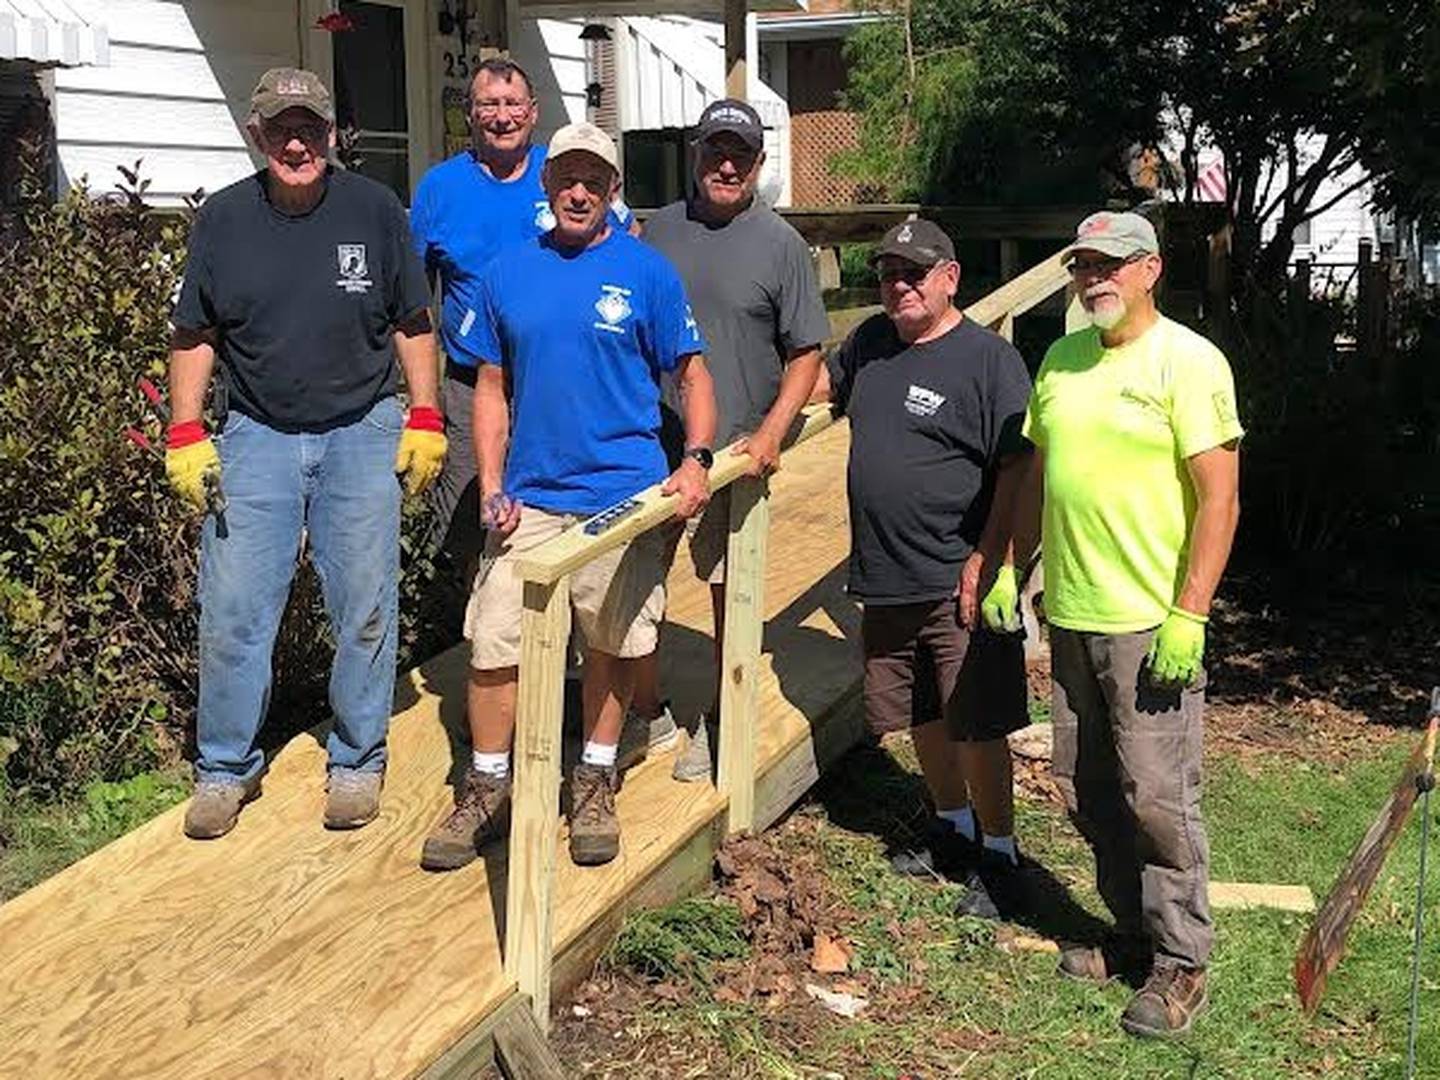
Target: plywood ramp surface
(284, 950)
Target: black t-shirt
(928, 426)
(304, 307)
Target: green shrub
(98, 656)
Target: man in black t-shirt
(935, 405)
(302, 283)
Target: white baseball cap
(585, 137)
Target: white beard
(1107, 314)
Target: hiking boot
(481, 815)
(641, 737)
(594, 828)
(941, 852)
(1117, 957)
(695, 762)
(1167, 1004)
(353, 798)
(215, 806)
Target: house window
(370, 92)
(1301, 234)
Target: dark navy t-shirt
(584, 338)
(304, 307)
(928, 426)
(460, 217)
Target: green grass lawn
(947, 1002)
(38, 839)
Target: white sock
(1003, 844)
(598, 754)
(963, 820)
(497, 765)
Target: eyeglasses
(495, 108)
(310, 133)
(1102, 268)
(910, 275)
(595, 185)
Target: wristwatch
(703, 454)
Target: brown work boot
(1116, 958)
(594, 828)
(1167, 1004)
(353, 798)
(215, 807)
(481, 815)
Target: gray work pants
(1128, 761)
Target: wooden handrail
(574, 547)
(1020, 294)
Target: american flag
(1210, 184)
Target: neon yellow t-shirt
(1116, 426)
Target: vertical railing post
(740, 664)
(535, 820)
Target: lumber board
(535, 814)
(521, 1051)
(1020, 294)
(740, 704)
(1252, 894)
(284, 950)
(574, 548)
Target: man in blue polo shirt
(466, 209)
(572, 334)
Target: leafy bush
(98, 657)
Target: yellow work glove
(1177, 648)
(422, 448)
(1001, 607)
(189, 456)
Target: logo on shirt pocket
(544, 217)
(613, 307)
(921, 401)
(354, 271)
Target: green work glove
(1001, 607)
(1177, 648)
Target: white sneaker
(694, 763)
(642, 736)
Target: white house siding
(552, 52)
(174, 95)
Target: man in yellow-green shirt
(1136, 436)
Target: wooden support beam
(1075, 316)
(736, 63)
(740, 664)
(521, 1052)
(535, 820)
(1006, 327)
(1009, 258)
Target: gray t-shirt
(752, 287)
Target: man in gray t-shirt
(752, 286)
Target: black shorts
(922, 665)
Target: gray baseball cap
(1118, 234)
(291, 88)
(918, 241)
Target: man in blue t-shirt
(466, 209)
(572, 334)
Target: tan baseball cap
(585, 137)
(1118, 234)
(291, 88)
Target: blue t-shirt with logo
(584, 338)
(460, 217)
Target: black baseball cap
(734, 116)
(918, 241)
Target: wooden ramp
(283, 950)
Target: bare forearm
(490, 429)
(420, 362)
(796, 387)
(697, 400)
(1211, 537)
(192, 362)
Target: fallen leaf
(829, 956)
(846, 1005)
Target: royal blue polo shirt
(460, 217)
(584, 338)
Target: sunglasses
(1102, 268)
(910, 275)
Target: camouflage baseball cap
(1116, 234)
(291, 88)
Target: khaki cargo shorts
(617, 600)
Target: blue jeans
(341, 485)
